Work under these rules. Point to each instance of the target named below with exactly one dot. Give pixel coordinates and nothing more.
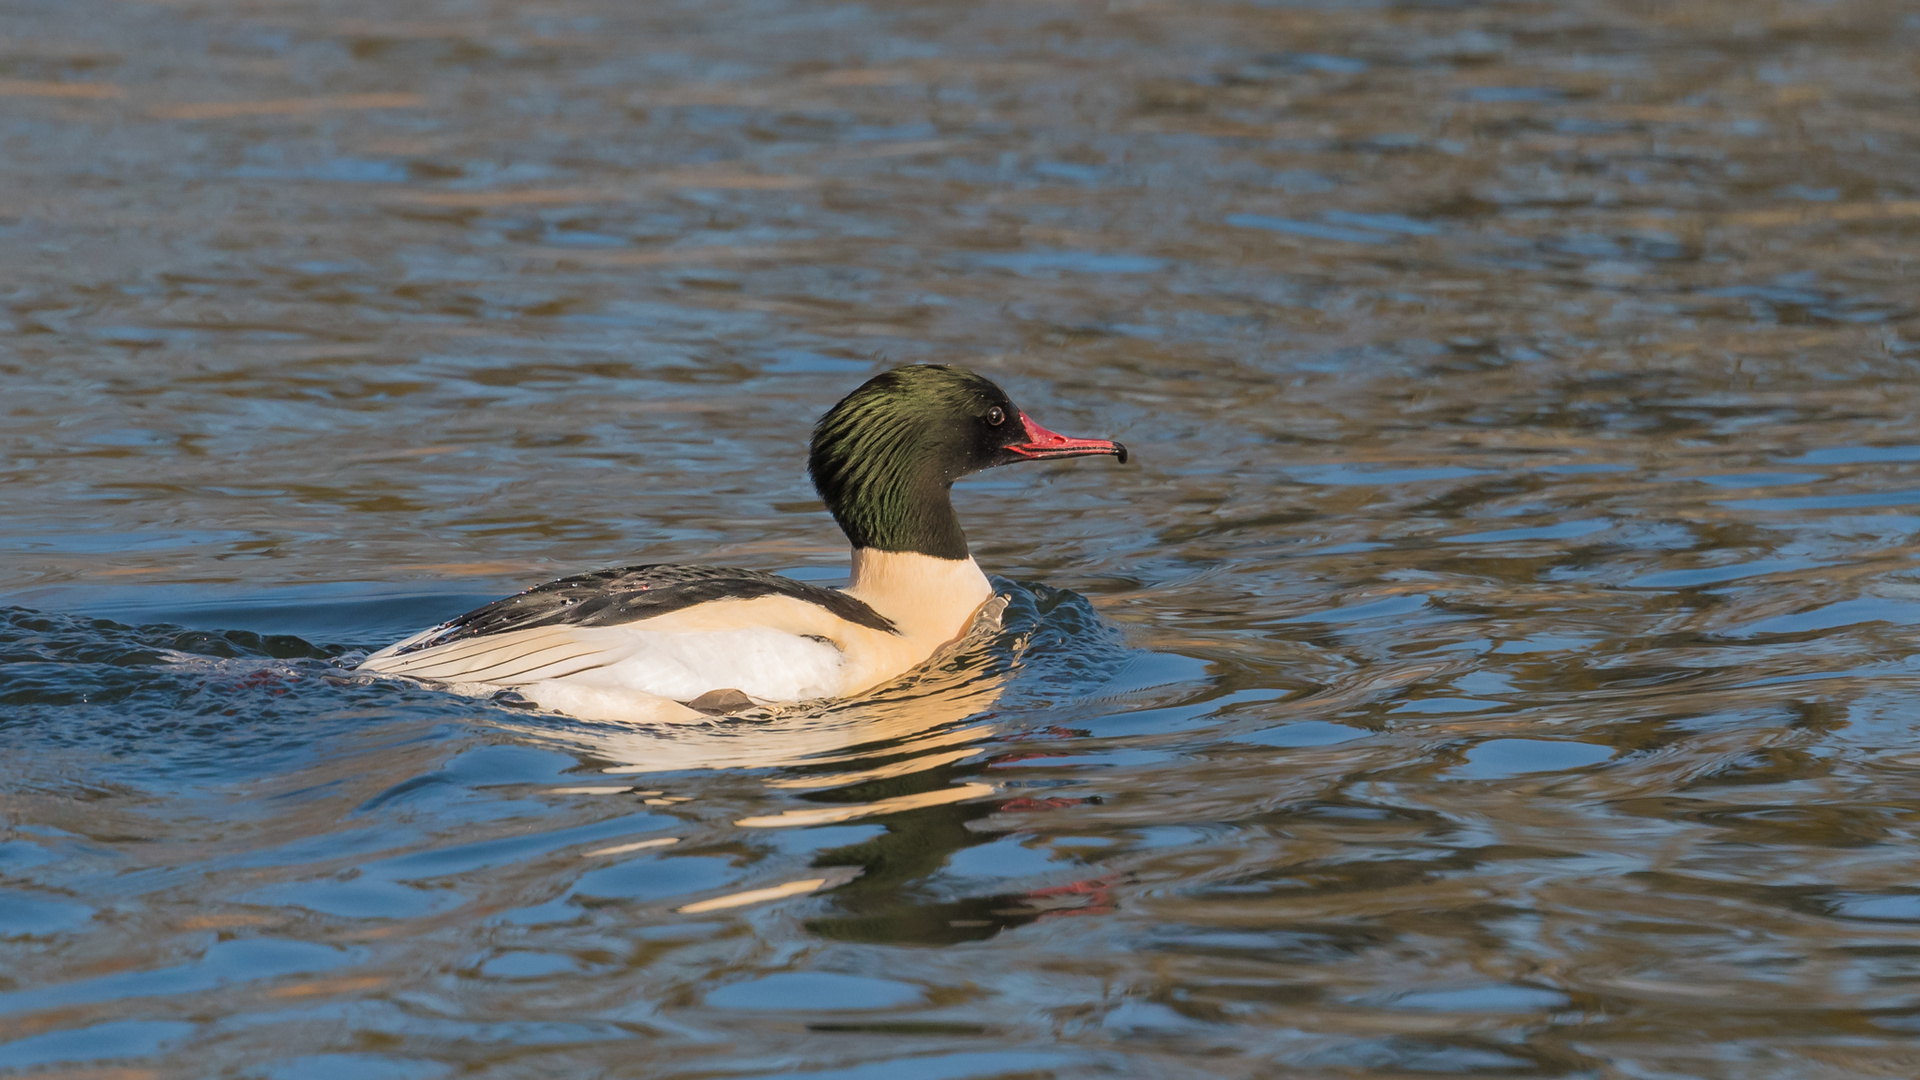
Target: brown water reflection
(1516, 586)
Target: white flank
(764, 663)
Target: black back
(632, 593)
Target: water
(1497, 660)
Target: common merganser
(674, 642)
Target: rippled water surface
(1498, 660)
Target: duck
(669, 641)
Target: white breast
(766, 665)
(655, 657)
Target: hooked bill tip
(1120, 451)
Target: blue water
(1496, 659)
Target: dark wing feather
(632, 593)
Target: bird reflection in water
(896, 756)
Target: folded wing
(633, 594)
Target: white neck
(924, 596)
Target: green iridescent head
(885, 457)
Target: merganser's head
(884, 458)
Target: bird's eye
(996, 417)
